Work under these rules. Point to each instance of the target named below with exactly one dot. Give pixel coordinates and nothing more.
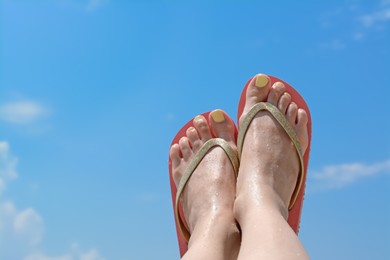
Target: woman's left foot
(208, 197)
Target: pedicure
(217, 116)
(261, 81)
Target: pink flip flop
(181, 226)
(295, 208)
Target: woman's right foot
(268, 173)
(269, 160)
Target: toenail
(278, 84)
(287, 95)
(217, 116)
(190, 129)
(261, 81)
(198, 119)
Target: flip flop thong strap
(281, 119)
(207, 146)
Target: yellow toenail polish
(287, 94)
(190, 129)
(218, 116)
(261, 81)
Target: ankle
(216, 226)
(254, 203)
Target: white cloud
(29, 225)
(338, 176)
(354, 23)
(372, 19)
(21, 231)
(8, 164)
(22, 112)
(21, 237)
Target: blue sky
(92, 93)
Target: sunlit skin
(209, 194)
(267, 176)
(214, 202)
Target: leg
(267, 177)
(208, 197)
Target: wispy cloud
(22, 112)
(93, 5)
(339, 176)
(8, 164)
(351, 23)
(169, 117)
(22, 230)
(369, 20)
(333, 45)
(28, 223)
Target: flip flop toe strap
(232, 155)
(281, 119)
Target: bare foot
(269, 158)
(268, 173)
(208, 196)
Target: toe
(222, 126)
(194, 139)
(301, 128)
(185, 147)
(257, 90)
(276, 91)
(203, 128)
(292, 112)
(284, 101)
(174, 154)
(302, 118)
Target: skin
(209, 195)
(267, 177)
(214, 202)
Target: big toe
(223, 126)
(257, 91)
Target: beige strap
(232, 155)
(281, 119)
